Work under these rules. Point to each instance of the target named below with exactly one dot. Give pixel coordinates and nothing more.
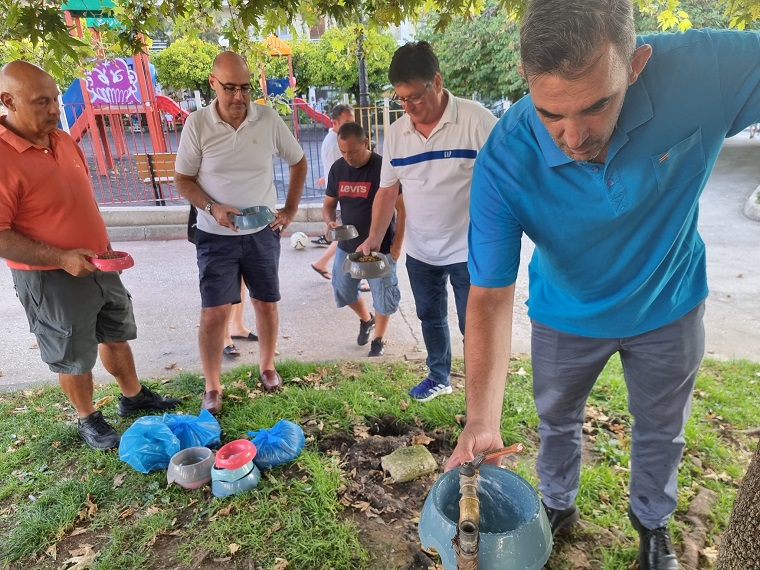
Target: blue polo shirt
(617, 247)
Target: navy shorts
(71, 315)
(223, 260)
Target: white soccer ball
(299, 240)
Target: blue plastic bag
(280, 444)
(195, 431)
(148, 444)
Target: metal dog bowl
(191, 467)
(341, 233)
(254, 218)
(366, 269)
(514, 532)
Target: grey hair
(560, 36)
(339, 109)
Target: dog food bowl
(341, 233)
(514, 531)
(366, 269)
(191, 467)
(112, 261)
(235, 454)
(220, 474)
(245, 483)
(254, 218)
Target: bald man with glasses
(224, 165)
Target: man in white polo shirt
(224, 164)
(431, 152)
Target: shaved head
(229, 62)
(31, 97)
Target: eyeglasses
(232, 89)
(414, 99)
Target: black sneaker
(365, 328)
(377, 347)
(655, 546)
(97, 432)
(561, 519)
(321, 241)
(145, 400)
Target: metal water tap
(467, 539)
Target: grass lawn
(65, 506)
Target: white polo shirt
(435, 174)
(329, 151)
(235, 166)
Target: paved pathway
(164, 287)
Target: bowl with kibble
(372, 266)
(112, 261)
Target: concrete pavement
(164, 287)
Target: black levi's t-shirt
(355, 189)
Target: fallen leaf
(461, 419)
(403, 404)
(172, 366)
(361, 432)
(421, 439)
(280, 564)
(152, 510)
(78, 531)
(118, 481)
(710, 553)
(52, 551)
(521, 372)
(100, 402)
(126, 513)
(40, 410)
(233, 548)
(81, 558)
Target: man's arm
(21, 249)
(188, 187)
(285, 215)
(329, 212)
(382, 212)
(488, 344)
(398, 239)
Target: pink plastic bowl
(235, 454)
(122, 261)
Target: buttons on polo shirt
(594, 169)
(610, 183)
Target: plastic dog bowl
(112, 261)
(220, 474)
(235, 454)
(254, 218)
(514, 531)
(191, 467)
(245, 483)
(341, 233)
(366, 269)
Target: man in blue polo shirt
(602, 166)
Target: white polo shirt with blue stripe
(617, 247)
(435, 174)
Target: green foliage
(334, 62)
(478, 55)
(186, 64)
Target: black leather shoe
(655, 547)
(561, 519)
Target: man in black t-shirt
(353, 182)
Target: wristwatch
(208, 207)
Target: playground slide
(167, 105)
(73, 106)
(312, 112)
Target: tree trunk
(740, 545)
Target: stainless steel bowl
(366, 269)
(341, 233)
(254, 218)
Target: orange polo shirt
(46, 194)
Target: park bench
(156, 169)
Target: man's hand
(369, 245)
(282, 218)
(225, 215)
(321, 182)
(395, 251)
(75, 262)
(475, 439)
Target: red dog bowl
(112, 261)
(235, 454)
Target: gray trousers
(660, 368)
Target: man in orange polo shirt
(49, 226)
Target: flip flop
(231, 350)
(325, 274)
(252, 337)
